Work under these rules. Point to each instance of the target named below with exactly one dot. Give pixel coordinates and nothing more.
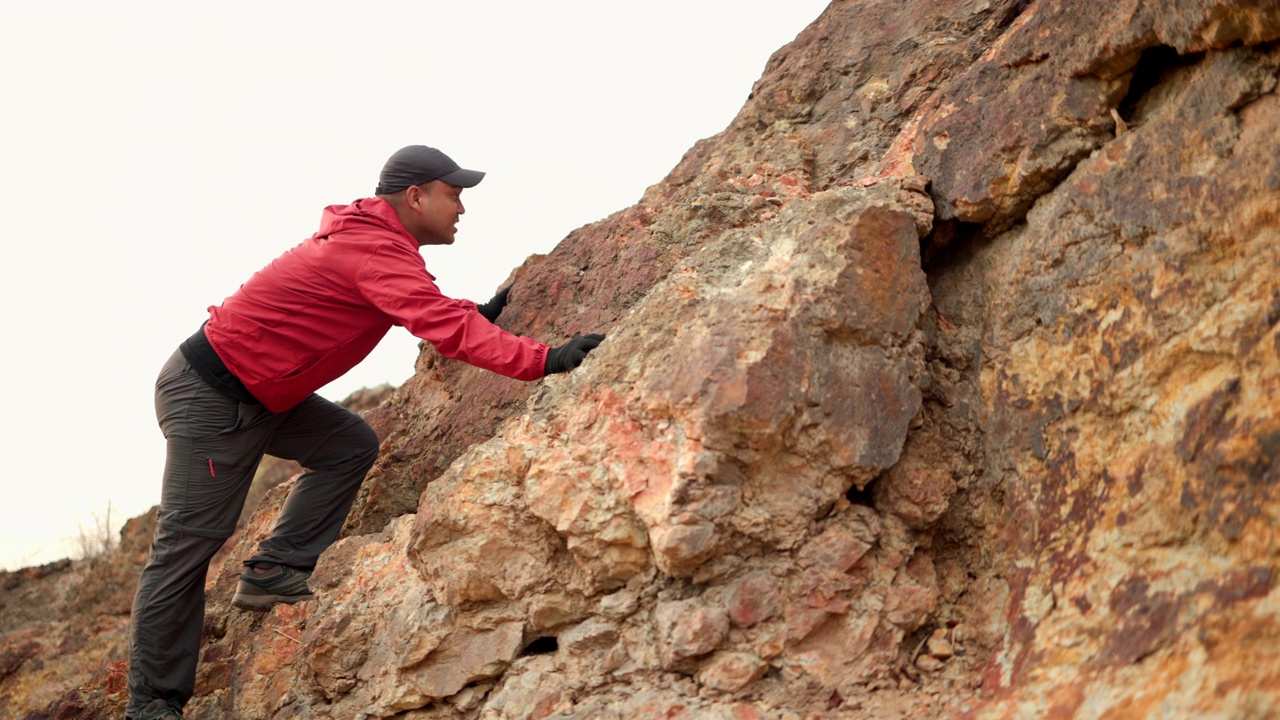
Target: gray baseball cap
(418, 164)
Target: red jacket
(319, 309)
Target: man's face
(435, 207)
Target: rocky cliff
(942, 383)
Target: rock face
(64, 632)
(942, 383)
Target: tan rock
(929, 663)
(731, 671)
(841, 652)
(689, 628)
(465, 657)
(592, 635)
(939, 645)
(533, 694)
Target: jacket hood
(363, 214)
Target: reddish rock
(916, 491)
(753, 599)
(689, 628)
(836, 550)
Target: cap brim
(463, 178)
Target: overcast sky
(155, 154)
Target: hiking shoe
(259, 592)
(158, 709)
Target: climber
(244, 385)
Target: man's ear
(411, 194)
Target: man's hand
(571, 354)
(493, 308)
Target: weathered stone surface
(732, 671)
(689, 628)
(1135, 411)
(63, 630)
(729, 456)
(826, 108)
(916, 490)
(939, 646)
(532, 693)
(942, 383)
(1020, 118)
(753, 599)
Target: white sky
(154, 155)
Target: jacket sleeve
(396, 281)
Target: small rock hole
(542, 646)
(861, 497)
(1147, 74)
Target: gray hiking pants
(214, 446)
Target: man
(244, 385)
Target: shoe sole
(266, 602)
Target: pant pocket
(219, 483)
(188, 407)
(206, 482)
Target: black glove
(493, 308)
(570, 355)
